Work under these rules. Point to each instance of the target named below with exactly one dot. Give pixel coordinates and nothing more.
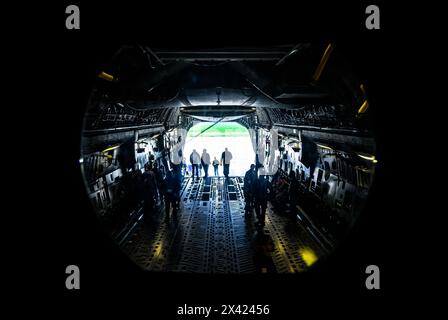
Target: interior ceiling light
(363, 108)
(367, 157)
(110, 148)
(322, 63)
(105, 76)
(324, 147)
(361, 86)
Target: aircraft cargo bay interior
(228, 160)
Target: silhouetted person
(226, 156)
(293, 190)
(149, 190)
(158, 176)
(281, 193)
(171, 190)
(205, 161)
(139, 186)
(184, 166)
(248, 189)
(262, 189)
(195, 160)
(151, 157)
(215, 166)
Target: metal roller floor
(211, 234)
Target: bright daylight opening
(230, 135)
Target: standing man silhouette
(205, 160)
(225, 161)
(195, 160)
(262, 190)
(215, 166)
(249, 189)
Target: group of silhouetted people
(286, 192)
(153, 186)
(202, 162)
(136, 187)
(257, 190)
(158, 185)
